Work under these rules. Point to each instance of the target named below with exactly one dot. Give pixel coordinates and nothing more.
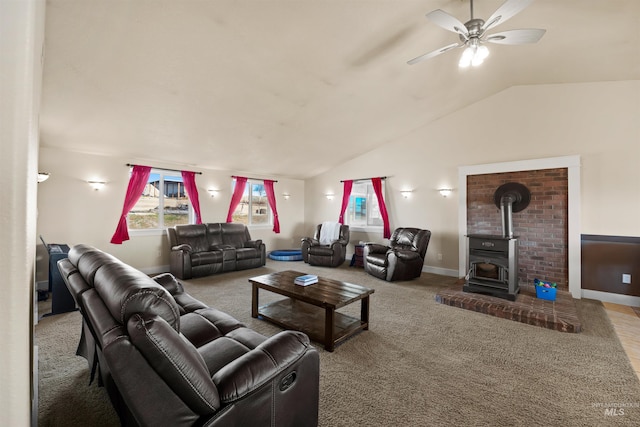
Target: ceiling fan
(473, 33)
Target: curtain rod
(362, 179)
(255, 179)
(165, 169)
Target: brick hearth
(560, 315)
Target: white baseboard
(610, 297)
(442, 271)
(426, 268)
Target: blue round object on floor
(286, 255)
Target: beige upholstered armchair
(402, 259)
(328, 247)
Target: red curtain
(189, 180)
(139, 178)
(271, 198)
(346, 193)
(241, 183)
(377, 187)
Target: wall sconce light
(43, 176)
(286, 196)
(329, 196)
(213, 192)
(97, 185)
(445, 192)
(406, 193)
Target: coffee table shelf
(300, 316)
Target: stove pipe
(506, 210)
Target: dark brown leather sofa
(167, 359)
(204, 249)
(402, 259)
(326, 255)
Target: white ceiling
(293, 87)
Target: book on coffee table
(307, 279)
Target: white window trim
(367, 228)
(269, 224)
(161, 230)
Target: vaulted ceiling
(293, 87)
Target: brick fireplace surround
(542, 230)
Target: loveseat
(167, 359)
(203, 249)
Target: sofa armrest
(309, 241)
(376, 248)
(405, 255)
(338, 245)
(260, 365)
(183, 247)
(253, 244)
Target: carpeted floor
(420, 364)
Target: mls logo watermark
(616, 409)
(613, 412)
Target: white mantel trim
(572, 163)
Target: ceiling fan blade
(523, 36)
(448, 22)
(508, 9)
(434, 53)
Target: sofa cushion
(247, 253)
(214, 233)
(176, 360)
(206, 257)
(89, 261)
(186, 303)
(194, 235)
(234, 234)
(221, 320)
(198, 330)
(408, 255)
(377, 259)
(127, 291)
(321, 250)
(219, 353)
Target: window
(253, 208)
(363, 210)
(164, 203)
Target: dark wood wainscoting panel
(606, 258)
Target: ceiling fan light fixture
(473, 55)
(466, 58)
(481, 54)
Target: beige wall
(21, 41)
(70, 211)
(597, 121)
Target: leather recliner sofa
(168, 359)
(402, 259)
(326, 255)
(204, 249)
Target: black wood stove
(493, 259)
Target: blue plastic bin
(546, 293)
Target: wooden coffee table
(312, 309)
